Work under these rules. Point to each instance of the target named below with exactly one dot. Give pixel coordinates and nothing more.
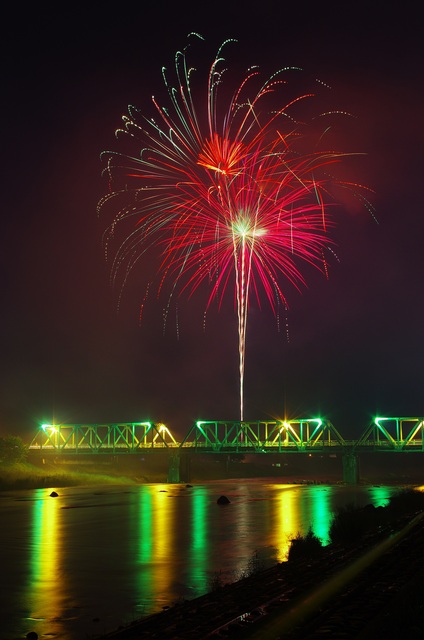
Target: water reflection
(380, 496)
(287, 520)
(96, 558)
(144, 577)
(45, 580)
(321, 513)
(163, 549)
(199, 547)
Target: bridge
(299, 436)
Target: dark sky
(356, 340)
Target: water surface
(91, 559)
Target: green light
(378, 420)
(52, 428)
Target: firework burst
(221, 191)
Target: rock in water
(222, 500)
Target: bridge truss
(393, 434)
(261, 437)
(397, 434)
(122, 437)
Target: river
(94, 558)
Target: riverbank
(24, 475)
(38, 473)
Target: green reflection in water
(321, 514)
(145, 543)
(380, 495)
(199, 540)
(144, 546)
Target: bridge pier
(178, 468)
(350, 468)
(173, 468)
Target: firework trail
(224, 194)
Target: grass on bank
(23, 475)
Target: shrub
(304, 547)
(406, 501)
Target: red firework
(229, 199)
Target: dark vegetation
(304, 547)
(12, 449)
(351, 526)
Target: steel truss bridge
(309, 435)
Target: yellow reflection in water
(45, 597)
(162, 525)
(288, 521)
(157, 547)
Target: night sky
(355, 340)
